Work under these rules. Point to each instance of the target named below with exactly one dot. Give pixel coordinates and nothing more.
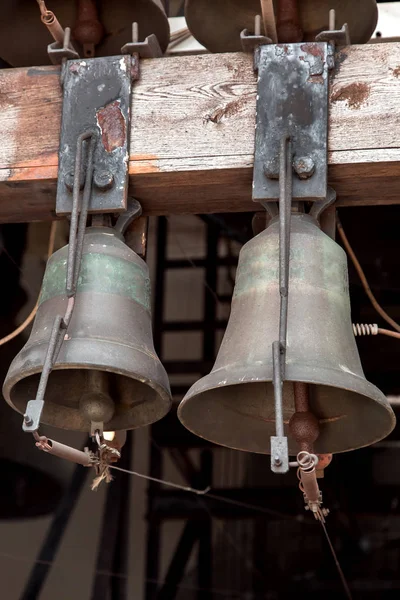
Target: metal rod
(279, 444)
(277, 379)
(78, 221)
(34, 408)
(285, 192)
(63, 451)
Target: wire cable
(339, 568)
(33, 312)
(362, 277)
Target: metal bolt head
(103, 180)
(69, 181)
(277, 460)
(28, 420)
(271, 169)
(304, 167)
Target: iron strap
(279, 443)
(34, 408)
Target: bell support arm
(279, 443)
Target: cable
(394, 334)
(33, 312)
(339, 568)
(363, 279)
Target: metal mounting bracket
(58, 53)
(292, 99)
(97, 96)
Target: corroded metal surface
(234, 404)
(109, 331)
(97, 95)
(292, 99)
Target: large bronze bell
(107, 369)
(24, 38)
(217, 23)
(234, 404)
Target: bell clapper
(304, 427)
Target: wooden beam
(192, 135)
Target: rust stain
(355, 94)
(112, 125)
(316, 79)
(313, 49)
(396, 71)
(227, 110)
(34, 173)
(138, 157)
(143, 167)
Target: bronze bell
(217, 23)
(234, 404)
(107, 369)
(24, 38)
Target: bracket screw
(304, 166)
(28, 420)
(277, 460)
(104, 180)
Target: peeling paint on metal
(112, 126)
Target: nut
(69, 181)
(304, 167)
(104, 180)
(271, 168)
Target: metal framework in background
(196, 532)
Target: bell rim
(164, 394)
(376, 395)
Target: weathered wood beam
(192, 136)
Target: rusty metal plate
(293, 99)
(97, 96)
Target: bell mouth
(352, 412)
(30, 491)
(137, 402)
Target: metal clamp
(279, 443)
(292, 98)
(59, 53)
(334, 37)
(250, 42)
(97, 96)
(150, 48)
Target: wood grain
(192, 133)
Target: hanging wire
(33, 312)
(363, 279)
(339, 568)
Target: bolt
(304, 167)
(28, 420)
(271, 169)
(277, 460)
(69, 181)
(103, 180)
